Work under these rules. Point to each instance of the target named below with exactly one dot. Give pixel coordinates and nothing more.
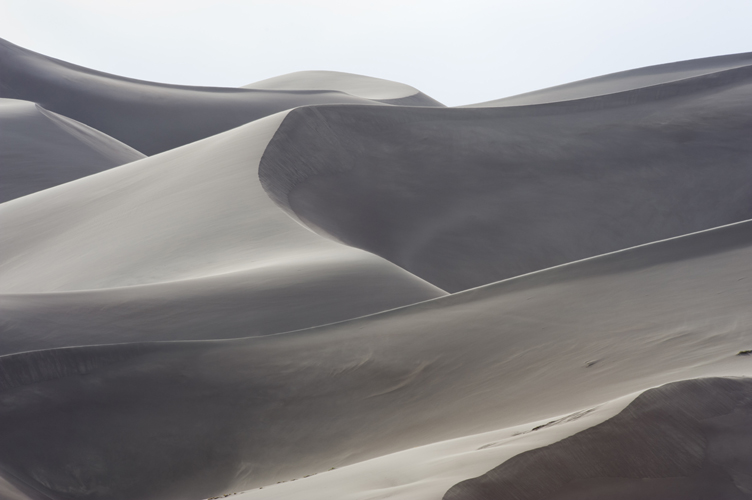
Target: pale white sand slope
(181, 245)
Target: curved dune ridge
(40, 149)
(182, 245)
(366, 87)
(506, 191)
(284, 406)
(150, 117)
(260, 306)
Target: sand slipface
(263, 298)
(465, 197)
(40, 149)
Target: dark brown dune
(624, 80)
(682, 441)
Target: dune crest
(366, 87)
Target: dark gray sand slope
(149, 117)
(624, 80)
(686, 440)
(190, 419)
(40, 149)
(465, 197)
(182, 245)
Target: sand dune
(262, 299)
(625, 80)
(149, 117)
(507, 191)
(283, 406)
(691, 437)
(195, 224)
(40, 149)
(367, 87)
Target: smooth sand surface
(150, 117)
(40, 149)
(262, 299)
(182, 245)
(366, 87)
(426, 472)
(284, 406)
(624, 80)
(465, 197)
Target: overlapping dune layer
(326, 285)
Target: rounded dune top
(624, 81)
(357, 85)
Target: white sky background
(458, 52)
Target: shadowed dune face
(689, 439)
(465, 197)
(624, 80)
(149, 117)
(40, 149)
(208, 417)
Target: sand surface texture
(331, 286)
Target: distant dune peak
(623, 81)
(357, 85)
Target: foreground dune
(259, 306)
(692, 438)
(40, 149)
(284, 406)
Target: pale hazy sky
(458, 52)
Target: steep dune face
(182, 245)
(149, 117)
(688, 439)
(464, 197)
(366, 87)
(40, 149)
(283, 406)
(624, 80)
